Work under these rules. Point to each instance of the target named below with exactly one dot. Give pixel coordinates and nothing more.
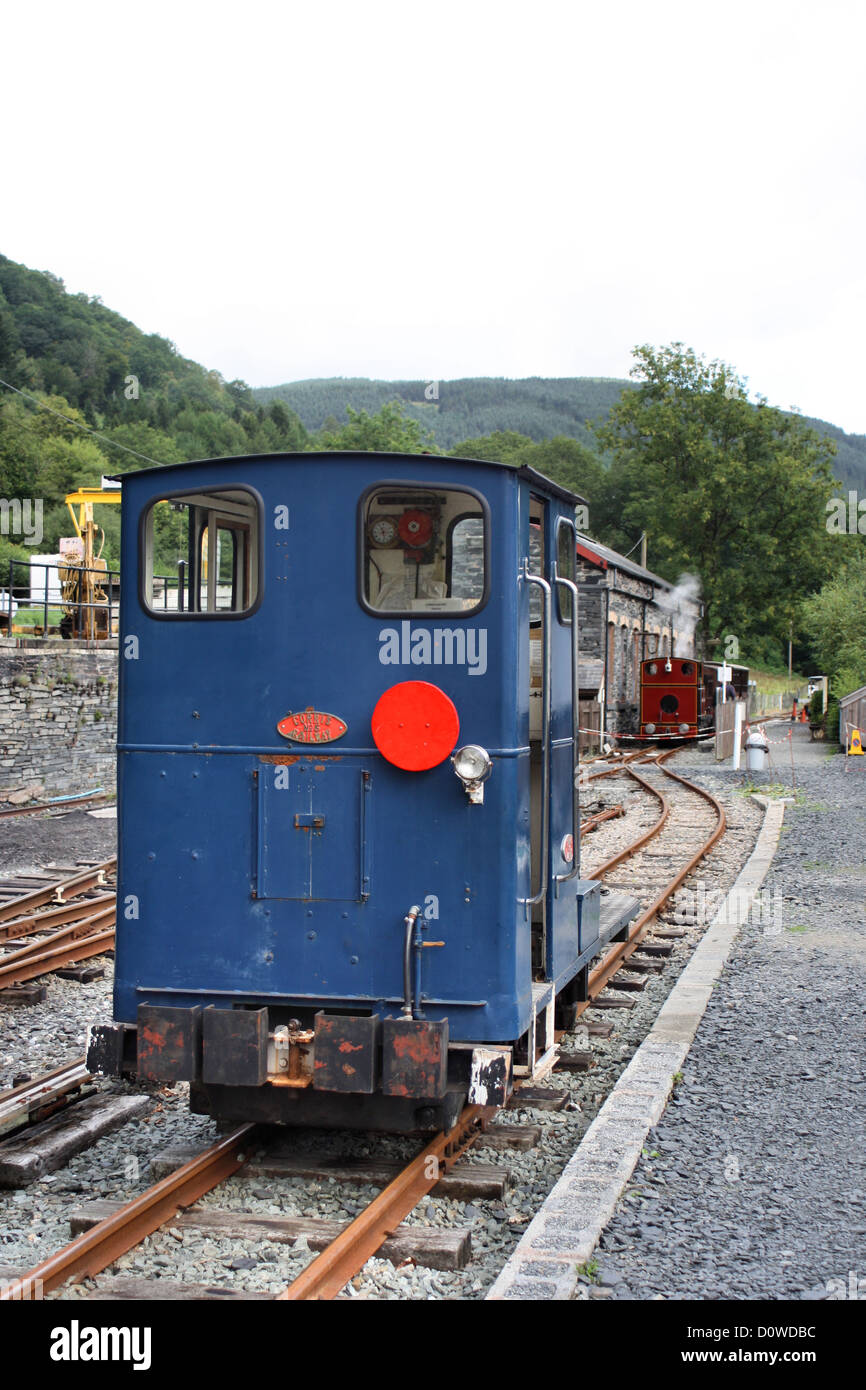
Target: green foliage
(565, 460)
(816, 707)
(834, 618)
(766, 652)
(580, 469)
(502, 446)
(389, 430)
(9, 551)
(729, 490)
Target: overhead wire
(115, 443)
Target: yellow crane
(85, 602)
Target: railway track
(100, 1246)
(34, 1100)
(688, 826)
(677, 836)
(49, 923)
(61, 806)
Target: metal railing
(17, 582)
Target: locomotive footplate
(617, 911)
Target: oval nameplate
(311, 726)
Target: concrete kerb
(566, 1230)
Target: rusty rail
(59, 892)
(330, 1271)
(48, 1090)
(17, 971)
(618, 954)
(53, 917)
(105, 1242)
(637, 844)
(81, 927)
(593, 821)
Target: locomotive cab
(349, 845)
(673, 700)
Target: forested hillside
(538, 407)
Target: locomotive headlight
(684, 728)
(650, 728)
(473, 766)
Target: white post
(738, 735)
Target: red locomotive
(678, 696)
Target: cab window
(200, 554)
(423, 550)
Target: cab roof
(529, 475)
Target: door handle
(545, 733)
(571, 588)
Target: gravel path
(35, 842)
(753, 1185)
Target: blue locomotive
(349, 885)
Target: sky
(420, 190)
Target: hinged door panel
(313, 840)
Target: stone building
(628, 613)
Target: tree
(502, 446)
(564, 460)
(731, 490)
(151, 445)
(389, 430)
(834, 619)
(576, 467)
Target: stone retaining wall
(58, 716)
